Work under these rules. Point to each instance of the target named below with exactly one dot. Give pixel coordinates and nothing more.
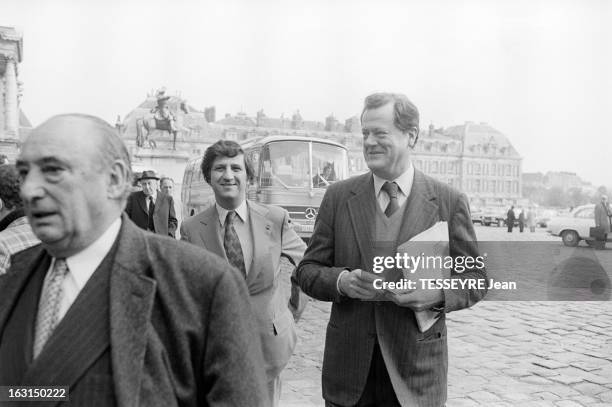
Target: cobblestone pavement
(501, 353)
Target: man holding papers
(375, 353)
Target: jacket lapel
(421, 210)
(80, 338)
(24, 266)
(12, 283)
(362, 209)
(261, 227)
(131, 302)
(211, 232)
(141, 199)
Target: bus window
(328, 164)
(286, 164)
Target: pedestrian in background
(521, 220)
(510, 219)
(151, 209)
(531, 219)
(15, 231)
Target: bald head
(94, 137)
(75, 174)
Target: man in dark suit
(151, 209)
(252, 237)
(120, 316)
(375, 354)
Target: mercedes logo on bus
(310, 213)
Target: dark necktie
(391, 189)
(151, 225)
(231, 244)
(49, 305)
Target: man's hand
(417, 300)
(358, 284)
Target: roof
(23, 120)
(271, 139)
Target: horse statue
(161, 118)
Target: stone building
(14, 126)
(475, 158)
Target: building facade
(473, 157)
(476, 159)
(11, 51)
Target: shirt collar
(241, 211)
(404, 181)
(83, 264)
(154, 195)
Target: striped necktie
(231, 244)
(391, 189)
(49, 305)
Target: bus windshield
(290, 165)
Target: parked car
(575, 226)
(544, 216)
(477, 215)
(493, 216)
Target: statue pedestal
(166, 162)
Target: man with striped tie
(120, 316)
(375, 354)
(252, 237)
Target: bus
(290, 171)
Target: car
(544, 216)
(575, 226)
(493, 216)
(477, 215)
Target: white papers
(431, 244)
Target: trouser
(378, 391)
(274, 391)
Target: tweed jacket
(181, 331)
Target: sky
(538, 71)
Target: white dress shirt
(148, 201)
(82, 265)
(242, 227)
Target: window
(586, 213)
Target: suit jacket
(343, 235)
(273, 236)
(164, 216)
(178, 335)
